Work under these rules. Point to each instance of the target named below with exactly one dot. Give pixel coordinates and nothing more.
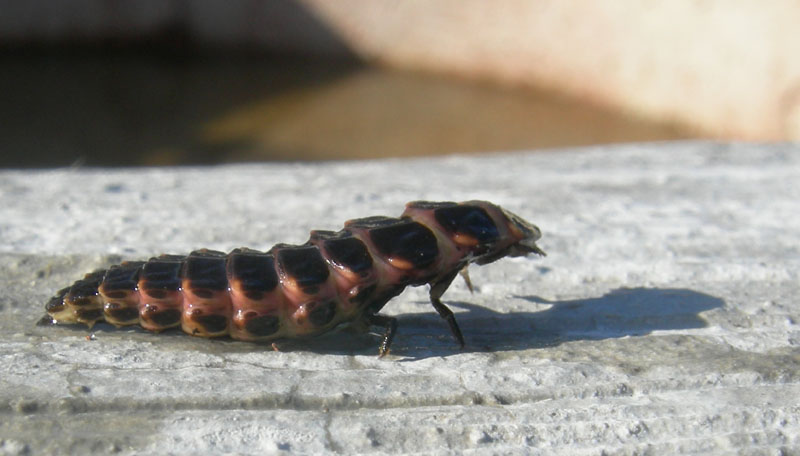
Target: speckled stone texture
(664, 319)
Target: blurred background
(166, 82)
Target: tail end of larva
(46, 320)
(78, 303)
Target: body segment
(302, 290)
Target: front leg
(437, 290)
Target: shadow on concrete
(619, 313)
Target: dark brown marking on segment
(311, 290)
(157, 294)
(203, 293)
(120, 280)
(161, 274)
(263, 325)
(254, 295)
(89, 314)
(472, 221)
(304, 264)
(344, 250)
(163, 318)
(254, 272)
(56, 303)
(121, 312)
(115, 294)
(212, 323)
(80, 292)
(322, 313)
(408, 241)
(205, 272)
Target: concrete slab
(664, 319)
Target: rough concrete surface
(664, 319)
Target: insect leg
(437, 290)
(464, 272)
(390, 323)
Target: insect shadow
(618, 313)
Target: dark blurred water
(107, 108)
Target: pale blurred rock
(727, 69)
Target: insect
(294, 291)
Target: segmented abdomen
(291, 290)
